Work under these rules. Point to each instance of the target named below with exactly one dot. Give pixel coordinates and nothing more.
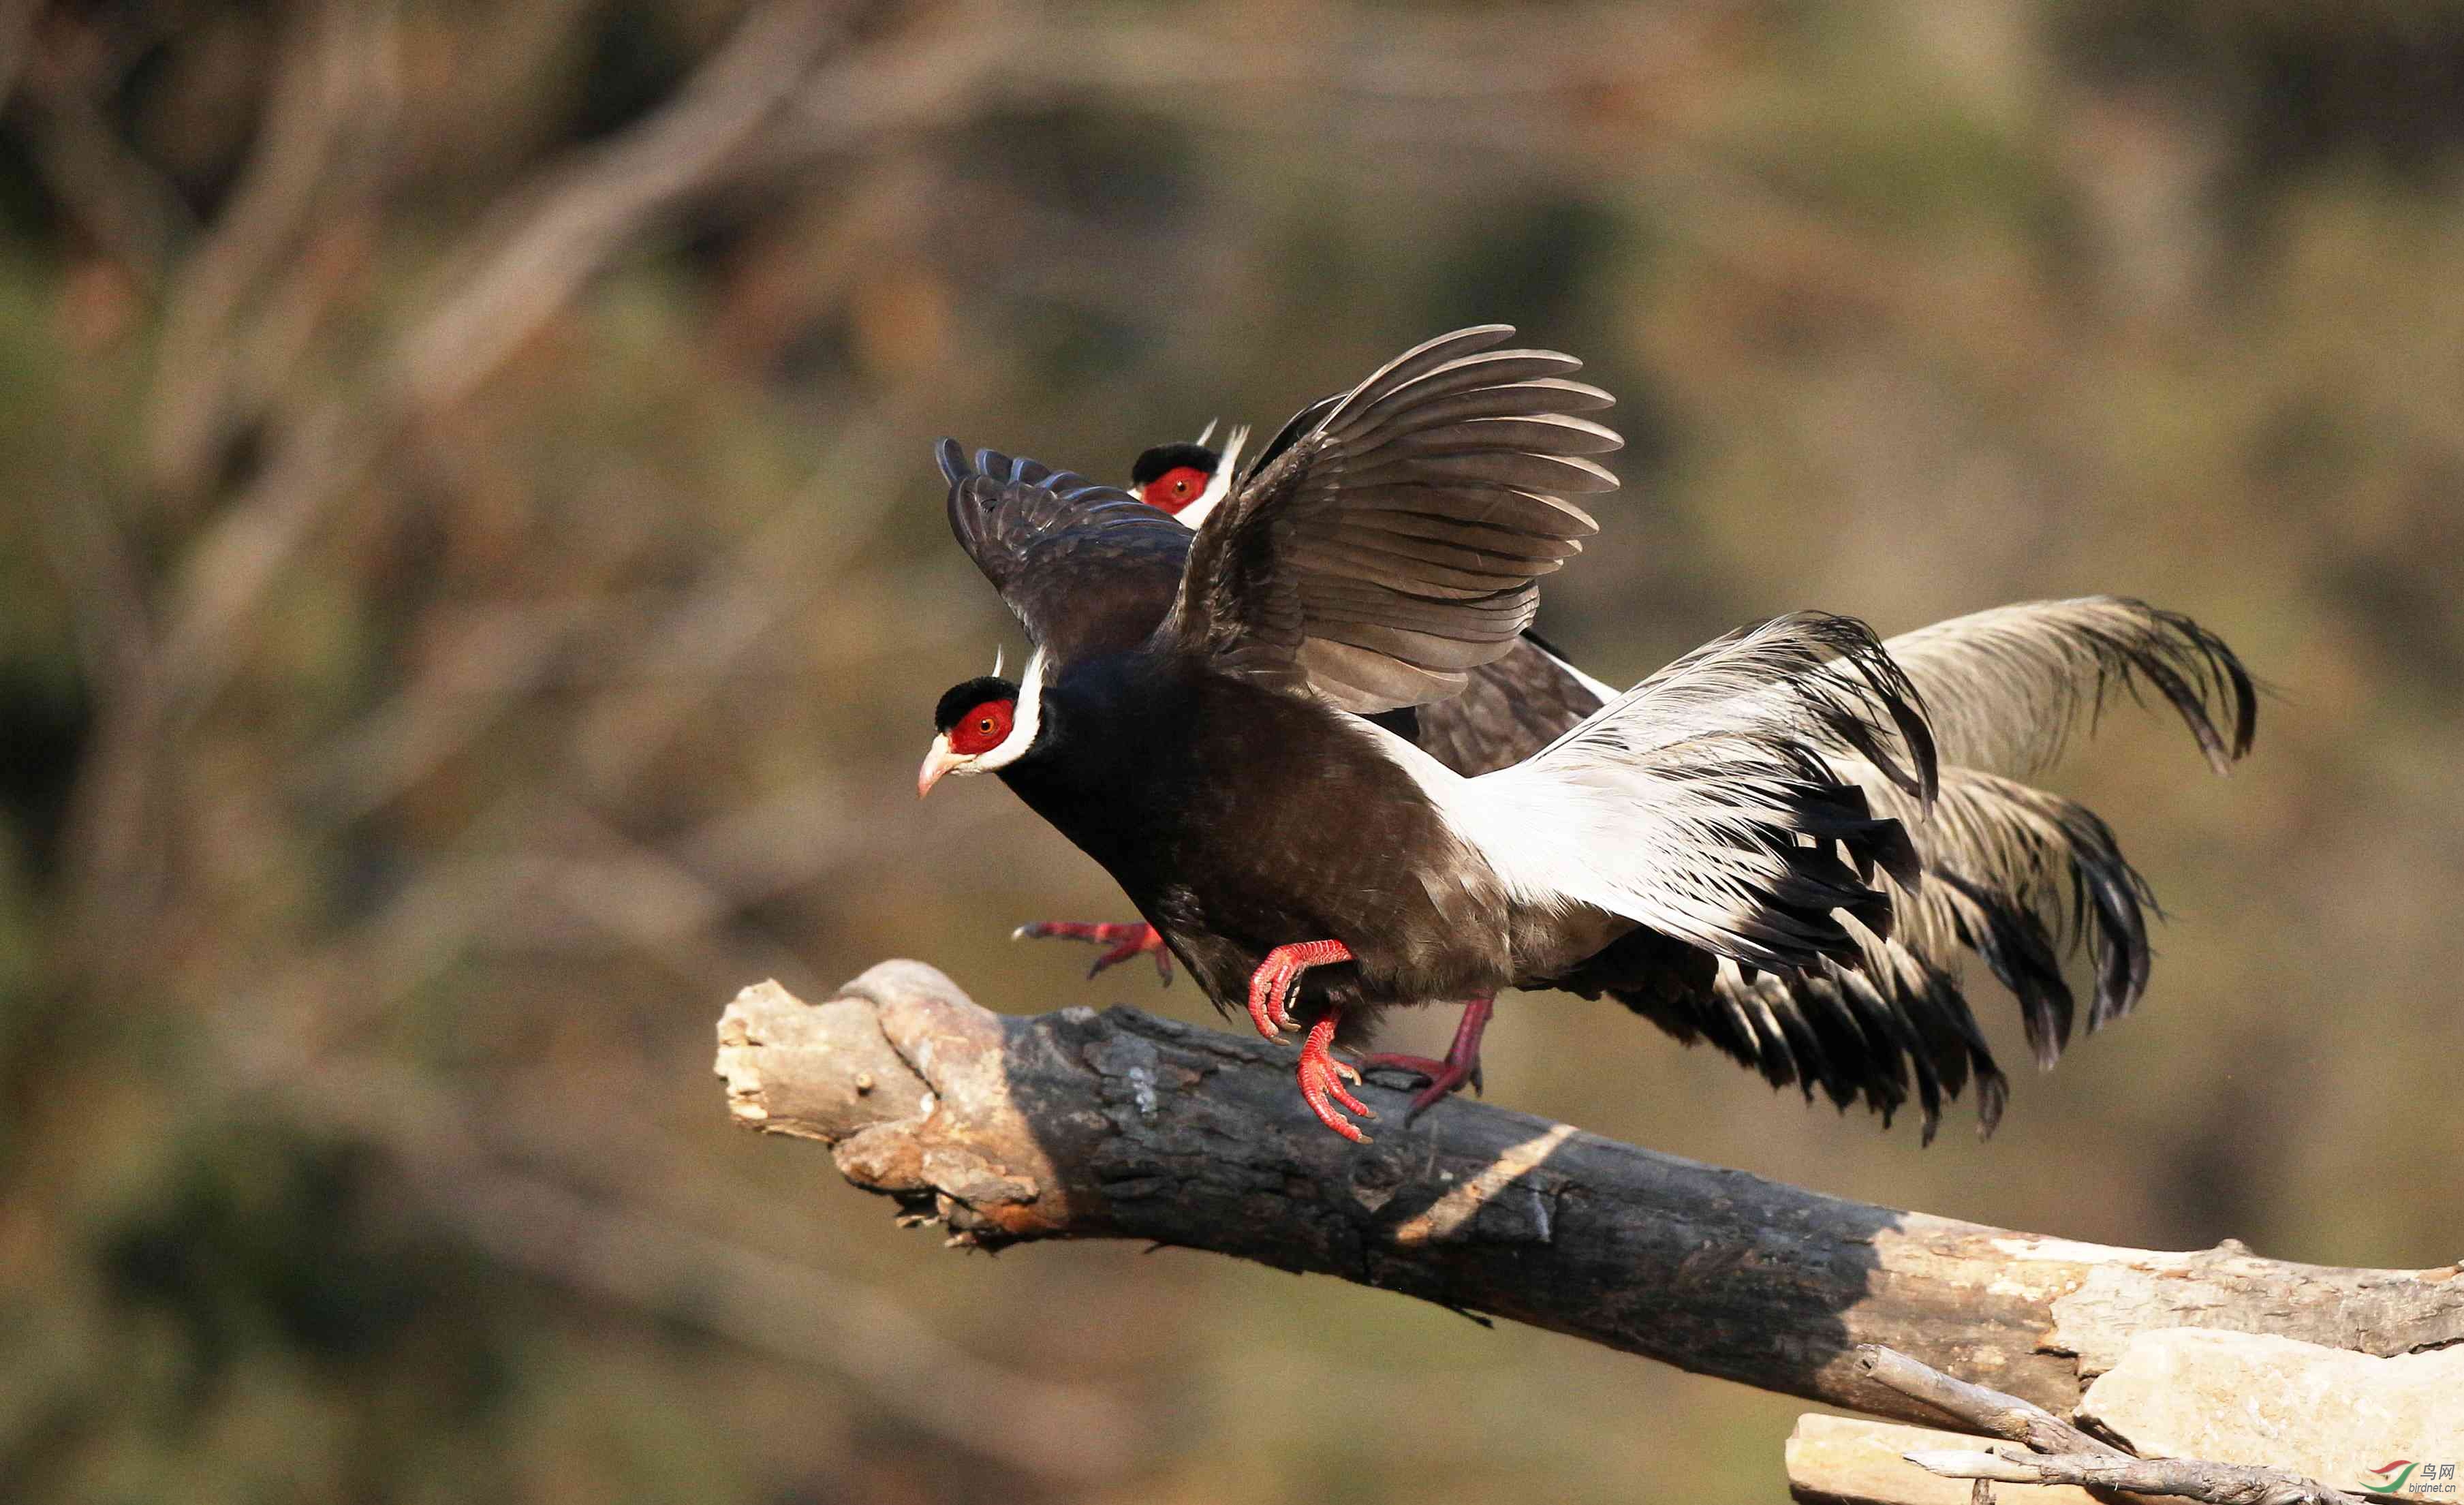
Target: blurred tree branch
(318, 158)
(16, 24)
(539, 248)
(524, 263)
(277, 391)
(1121, 1125)
(615, 1248)
(125, 207)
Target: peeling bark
(1076, 1124)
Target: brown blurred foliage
(472, 582)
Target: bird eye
(985, 725)
(1181, 487)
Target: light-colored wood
(2254, 1398)
(1847, 1460)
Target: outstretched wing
(2017, 877)
(1397, 542)
(1085, 567)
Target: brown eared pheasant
(1296, 710)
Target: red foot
(1272, 985)
(1461, 1063)
(1126, 941)
(1322, 1077)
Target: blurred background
(472, 588)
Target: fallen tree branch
(1077, 1125)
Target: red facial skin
(982, 729)
(1174, 489)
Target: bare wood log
(1077, 1125)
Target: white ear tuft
(1233, 444)
(1228, 469)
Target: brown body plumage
(1381, 558)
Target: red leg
(1461, 1063)
(1322, 1077)
(1126, 941)
(1277, 974)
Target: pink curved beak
(938, 760)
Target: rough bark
(1076, 1124)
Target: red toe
(1461, 1063)
(1266, 999)
(1322, 1077)
(1278, 977)
(1126, 941)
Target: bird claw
(1269, 987)
(1126, 940)
(1461, 1063)
(1322, 1077)
(1273, 985)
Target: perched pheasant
(1335, 548)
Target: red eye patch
(982, 728)
(1174, 489)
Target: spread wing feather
(1085, 567)
(2017, 877)
(1446, 570)
(1391, 539)
(1398, 526)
